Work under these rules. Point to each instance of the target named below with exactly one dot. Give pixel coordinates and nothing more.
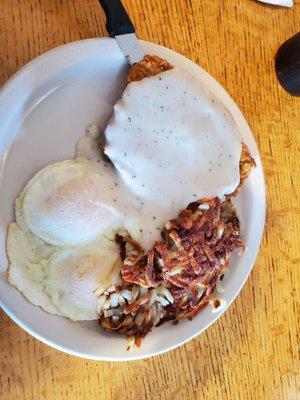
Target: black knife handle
(117, 20)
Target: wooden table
(251, 352)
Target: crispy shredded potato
(177, 277)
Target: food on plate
(148, 66)
(24, 251)
(57, 251)
(245, 166)
(176, 278)
(145, 237)
(172, 143)
(74, 202)
(60, 204)
(61, 280)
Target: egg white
(74, 274)
(61, 280)
(26, 269)
(66, 203)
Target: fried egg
(61, 280)
(61, 248)
(73, 275)
(26, 272)
(68, 203)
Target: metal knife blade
(130, 47)
(120, 27)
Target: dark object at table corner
(117, 19)
(287, 65)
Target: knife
(119, 26)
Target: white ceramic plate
(44, 109)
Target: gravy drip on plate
(171, 142)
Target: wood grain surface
(252, 351)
